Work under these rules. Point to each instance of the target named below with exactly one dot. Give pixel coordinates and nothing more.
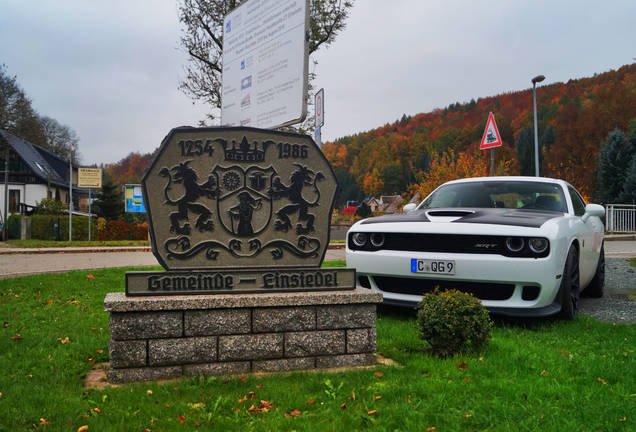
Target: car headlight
(359, 239)
(538, 245)
(515, 244)
(377, 240)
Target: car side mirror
(594, 210)
(409, 208)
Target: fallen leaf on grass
(65, 340)
(148, 392)
(294, 413)
(467, 379)
(82, 428)
(623, 420)
(44, 422)
(432, 428)
(544, 373)
(97, 410)
(310, 401)
(0, 395)
(264, 406)
(100, 351)
(16, 337)
(379, 374)
(6, 324)
(90, 276)
(49, 302)
(353, 395)
(181, 418)
(343, 406)
(378, 397)
(468, 415)
(462, 365)
(260, 386)
(601, 380)
(242, 379)
(147, 430)
(251, 395)
(408, 399)
(372, 412)
(242, 400)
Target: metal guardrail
(620, 218)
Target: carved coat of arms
(238, 197)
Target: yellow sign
(89, 177)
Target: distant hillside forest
(415, 154)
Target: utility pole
(5, 214)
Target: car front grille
(417, 286)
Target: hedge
(53, 227)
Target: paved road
(23, 263)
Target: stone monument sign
(239, 218)
(247, 209)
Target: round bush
(453, 322)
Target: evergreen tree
(109, 204)
(628, 195)
(525, 151)
(614, 159)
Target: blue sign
(134, 199)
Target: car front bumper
(503, 284)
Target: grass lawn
(58, 244)
(537, 375)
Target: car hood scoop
(495, 216)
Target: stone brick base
(167, 337)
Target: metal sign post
(89, 178)
(70, 196)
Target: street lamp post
(535, 80)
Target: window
(577, 201)
(14, 201)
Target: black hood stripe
(511, 217)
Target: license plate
(432, 266)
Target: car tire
(597, 286)
(570, 285)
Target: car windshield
(498, 194)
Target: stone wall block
(145, 325)
(302, 344)
(347, 360)
(283, 319)
(279, 365)
(120, 376)
(361, 341)
(221, 368)
(217, 322)
(127, 354)
(345, 316)
(251, 347)
(182, 350)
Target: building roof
(47, 166)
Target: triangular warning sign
(491, 136)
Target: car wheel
(597, 286)
(570, 285)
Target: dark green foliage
(348, 189)
(628, 195)
(364, 211)
(49, 206)
(110, 203)
(525, 151)
(393, 179)
(453, 322)
(55, 227)
(614, 160)
(13, 226)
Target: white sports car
(525, 246)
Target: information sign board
(134, 199)
(89, 177)
(265, 56)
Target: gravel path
(619, 302)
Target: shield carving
(244, 205)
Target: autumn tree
(202, 39)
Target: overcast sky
(110, 69)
